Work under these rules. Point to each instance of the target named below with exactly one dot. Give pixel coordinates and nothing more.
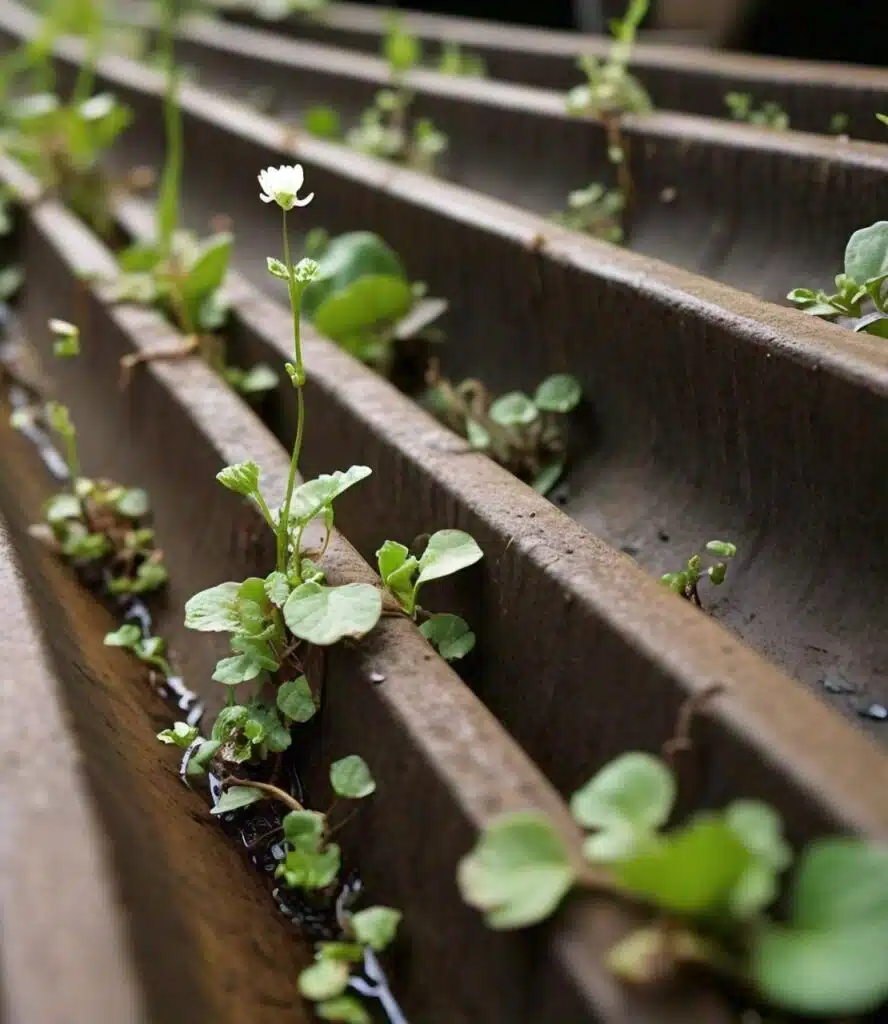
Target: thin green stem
(295, 305)
(168, 201)
(86, 76)
(265, 510)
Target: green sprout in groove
(708, 885)
(686, 582)
(769, 115)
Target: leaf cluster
(62, 144)
(362, 299)
(446, 552)
(711, 882)
(686, 581)
(610, 90)
(595, 211)
(528, 436)
(769, 115)
(861, 295)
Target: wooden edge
(490, 97)
(786, 332)
(355, 19)
(64, 952)
(425, 735)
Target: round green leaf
(866, 255)
(208, 269)
(449, 635)
(310, 498)
(324, 980)
(346, 259)
(343, 1008)
(295, 700)
(376, 926)
(235, 798)
(351, 778)
(367, 303)
(635, 788)
(127, 636)
(721, 548)
(558, 393)
(518, 872)
(304, 829)
(214, 610)
(692, 871)
(841, 882)
(514, 409)
(323, 122)
(830, 972)
(447, 552)
(326, 615)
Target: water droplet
(277, 851)
(834, 683)
(878, 712)
(377, 677)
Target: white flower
(281, 185)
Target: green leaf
(518, 872)
(447, 552)
(351, 778)
(841, 882)
(343, 1008)
(691, 871)
(390, 557)
(371, 301)
(304, 869)
(242, 478)
(133, 503)
(449, 635)
(376, 926)
(277, 268)
(138, 258)
(277, 588)
(402, 50)
(295, 700)
(400, 583)
(202, 756)
(235, 798)
(258, 378)
(127, 636)
(324, 979)
(636, 789)
(323, 122)
(208, 269)
(350, 952)
(240, 668)
(326, 615)
(721, 548)
(62, 506)
(761, 831)
(477, 435)
(514, 409)
(181, 735)
(874, 323)
(346, 259)
(312, 497)
(559, 393)
(548, 476)
(214, 610)
(304, 829)
(866, 255)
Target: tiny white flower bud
(281, 185)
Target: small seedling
(768, 115)
(710, 882)
(861, 295)
(528, 436)
(62, 145)
(150, 650)
(446, 552)
(384, 129)
(95, 523)
(595, 211)
(454, 60)
(609, 92)
(838, 124)
(687, 581)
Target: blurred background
(854, 31)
